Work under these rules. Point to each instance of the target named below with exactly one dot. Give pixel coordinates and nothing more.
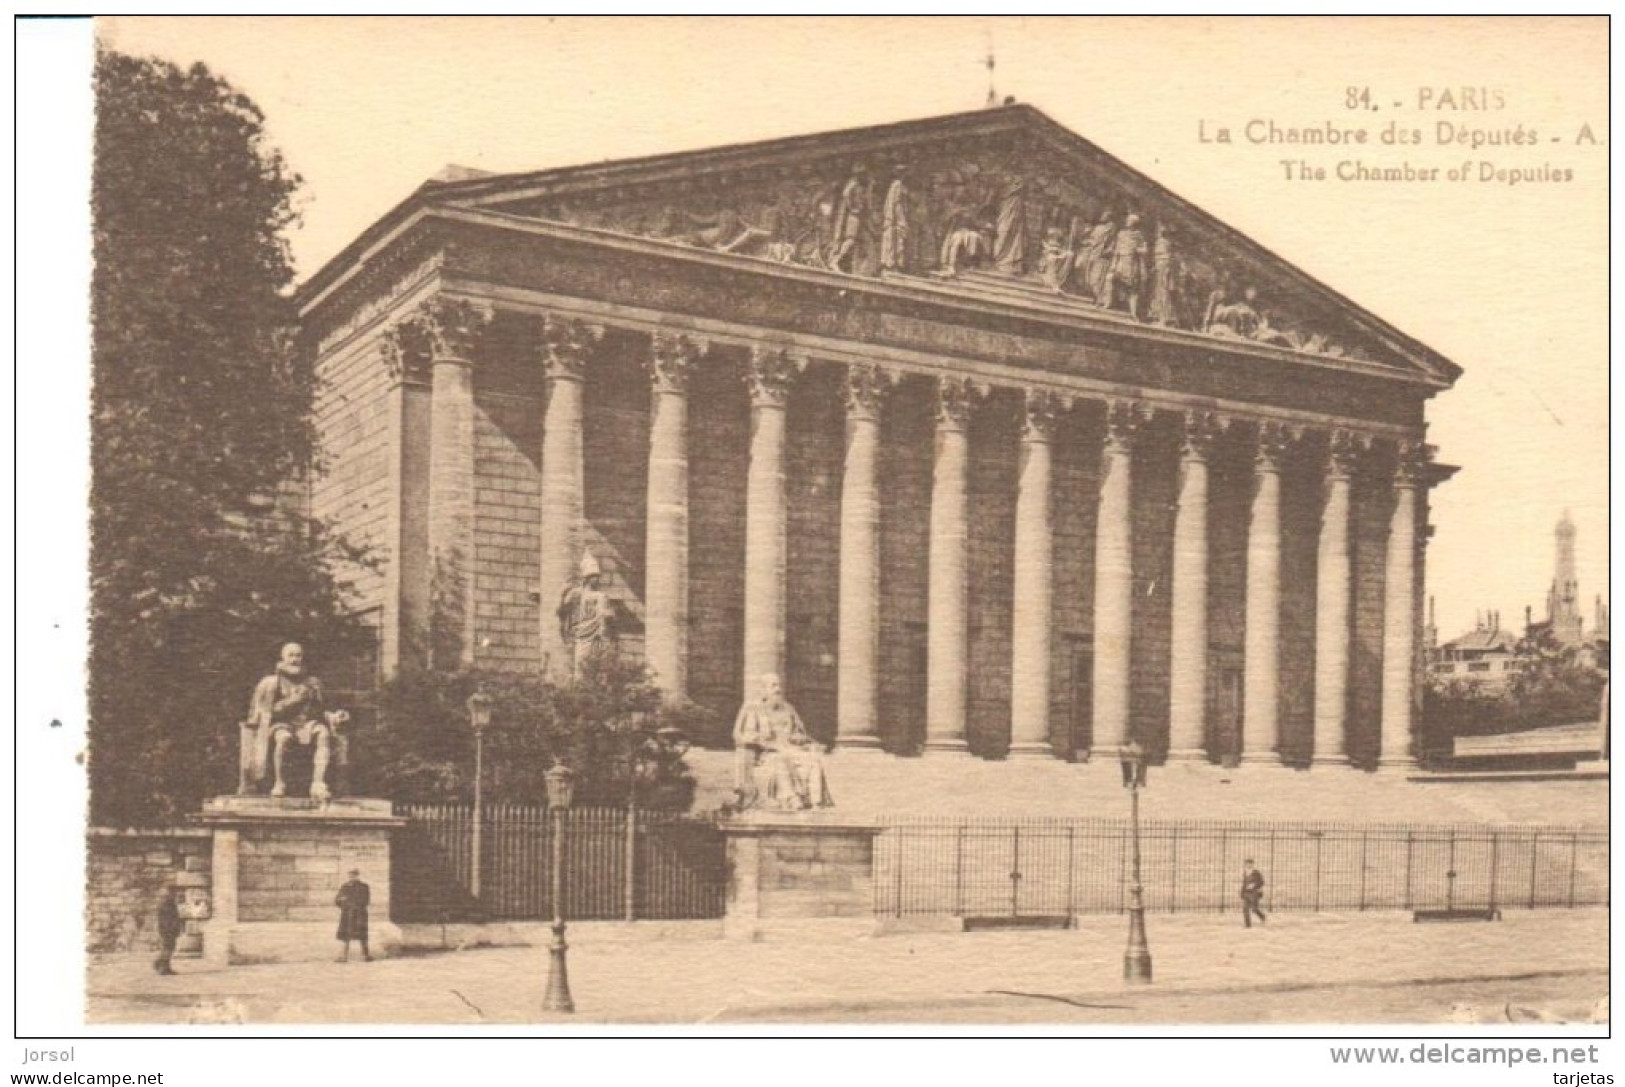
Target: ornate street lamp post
(1137, 958)
(561, 789)
(479, 716)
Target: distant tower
(1563, 601)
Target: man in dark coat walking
(353, 899)
(169, 929)
(1252, 893)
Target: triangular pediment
(1000, 202)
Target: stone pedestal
(277, 865)
(789, 872)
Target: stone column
(568, 345)
(404, 637)
(947, 625)
(770, 375)
(452, 326)
(1114, 578)
(859, 638)
(1332, 603)
(1261, 685)
(1187, 683)
(1399, 617)
(665, 589)
(1031, 617)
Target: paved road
(1299, 968)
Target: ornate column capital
(769, 375)
(955, 397)
(568, 344)
(1411, 458)
(1273, 441)
(402, 350)
(1124, 418)
(1199, 430)
(671, 358)
(1344, 449)
(1040, 409)
(453, 325)
(865, 390)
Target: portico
(964, 512)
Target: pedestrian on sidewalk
(1252, 893)
(353, 899)
(169, 929)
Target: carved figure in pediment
(1055, 258)
(1125, 281)
(1234, 320)
(967, 237)
(1094, 263)
(853, 225)
(1010, 240)
(896, 227)
(1166, 275)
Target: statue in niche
(1010, 240)
(1094, 262)
(1125, 279)
(1163, 307)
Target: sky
(1510, 281)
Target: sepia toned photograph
(1027, 523)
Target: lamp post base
(558, 974)
(1137, 959)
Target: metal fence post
(959, 871)
(1410, 849)
(1574, 857)
(1495, 868)
(1534, 865)
(631, 864)
(1365, 845)
(1173, 874)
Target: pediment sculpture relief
(1082, 240)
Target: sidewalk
(617, 977)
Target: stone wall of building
(718, 456)
(1301, 500)
(355, 491)
(993, 481)
(1154, 503)
(1373, 504)
(124, 871)
(815, 444)
(1075, 467)
(615, 455)
(907, 431)
(507, 530)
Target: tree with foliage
(610, 724)
(203, 557)
(1553, 685)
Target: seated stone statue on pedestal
(287, 706)
(777, 765)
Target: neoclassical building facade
(982, 440)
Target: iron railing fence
(619, 864)
(1054, 867)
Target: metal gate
(618, 865)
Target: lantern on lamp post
(561, 789)
(479, 718)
